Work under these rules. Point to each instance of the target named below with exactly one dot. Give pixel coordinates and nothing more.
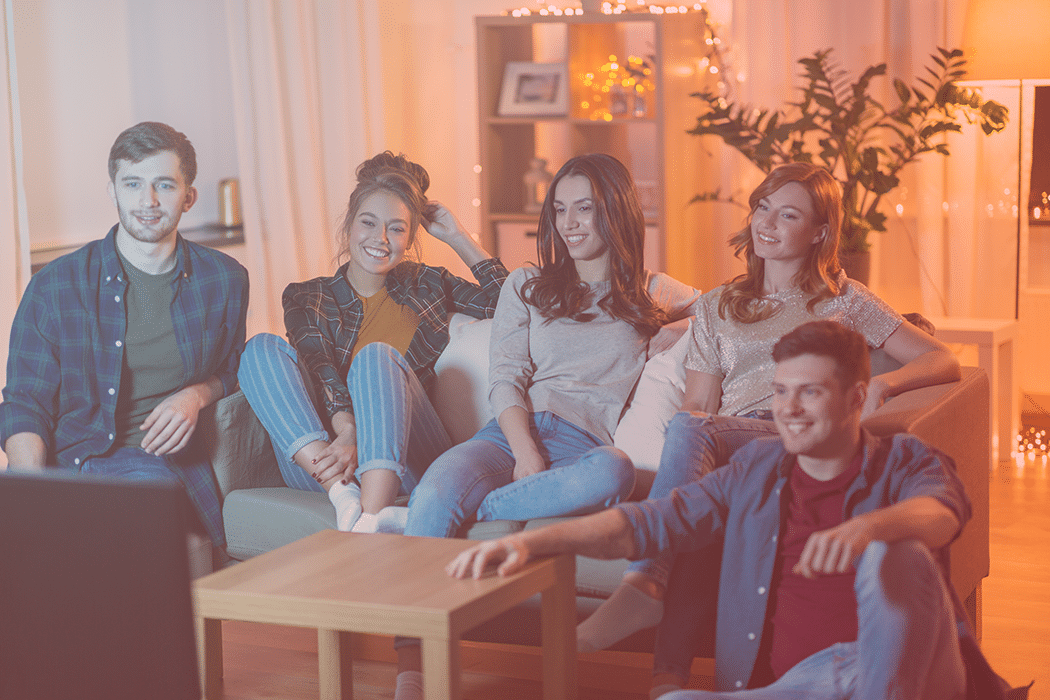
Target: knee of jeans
(619, 467)
(258, 346)
(687, 422)
(886, 563)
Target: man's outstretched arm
(605, 535)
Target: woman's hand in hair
(443, 225)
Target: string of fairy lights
(607, 8)
(621, 88)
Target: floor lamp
(1007, 40)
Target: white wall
(90, 69)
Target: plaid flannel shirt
(66, 352)
(323, 317)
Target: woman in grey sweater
(569, 341)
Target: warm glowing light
(475, 202)
(477, 168)
(900, 210)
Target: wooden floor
(265, 662)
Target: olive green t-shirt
(153, 369)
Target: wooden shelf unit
(667, 163)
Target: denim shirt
(66, 353)
(741, 505)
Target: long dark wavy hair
(557, 290)
(742, 298)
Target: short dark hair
(846, 347)
(139, 142)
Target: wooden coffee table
(343, 583)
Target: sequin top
(742, 353)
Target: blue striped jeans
(397, 427)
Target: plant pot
(857, 266)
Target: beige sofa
(260, 513)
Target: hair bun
(386, 162)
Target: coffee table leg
(335, 661)
(441, 669)
(209, 657)
(559, 633)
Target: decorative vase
(537, 179)
(857, 266)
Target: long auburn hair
(391, 173)
(741, 300)
(557, 290)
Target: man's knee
(896, 567)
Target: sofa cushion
(657, 397)
(261, 519)
(239, 447)
(460, 393)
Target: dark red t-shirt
(808, 615)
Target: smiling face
(377, 240)
(784, 225)
(151, 196)
(577, 226)
(816, 416)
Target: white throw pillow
(461, 390)
(657, 398)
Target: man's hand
(171, 424)
(510, 553)
(528, 464)
(835, 551)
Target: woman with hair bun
(793, 276)
(345, 402)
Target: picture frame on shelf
(534, 90)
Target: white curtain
(308, 109)
(14, 233)
(944, 253)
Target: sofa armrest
(238, 446)
(952, 417)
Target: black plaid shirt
(323, 317)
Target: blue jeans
(696, 444)
(397, 427)
(476, 476)
(185, 467)
(907, 644)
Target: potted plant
(837, 124)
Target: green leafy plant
(837, 124)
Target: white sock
(366, 523)
(347, 501)
(625, 612)
(392, 520)
(409, 686)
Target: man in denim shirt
(117, 347)
(828, 588)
